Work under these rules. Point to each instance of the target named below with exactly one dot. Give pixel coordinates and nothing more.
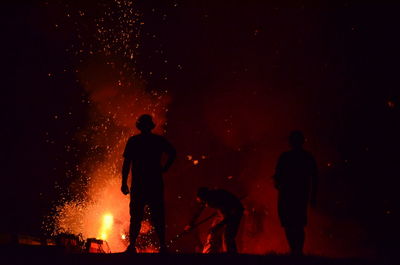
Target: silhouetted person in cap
(296, 181)
(230, 212)
(143, 153)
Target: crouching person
(226, 225)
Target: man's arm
(222, 223)
(228, 216)
(314, 183)
(278, 173)
(194, 218)
(126, 166)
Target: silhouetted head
(145, 123)
(296, 139)
(201, 193)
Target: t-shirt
(145, 151)
(224, 201)
(295, 169)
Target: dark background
(255, 68)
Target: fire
(116, 96)
(106, 227)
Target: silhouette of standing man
(143, 153)
(296, 181)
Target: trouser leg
(213, 243)
(295, 237)
(158, 219)
(231, 231)
(214, 240)
(136, 212)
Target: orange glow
(106, 227)
(148, 250)
(146, 227)
(115, 95)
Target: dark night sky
(330, 70)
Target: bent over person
(143, 154)
(296, 181)
(230, 212)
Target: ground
(42, 255)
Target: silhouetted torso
(145, 151)
(294, 171)
(223, 201)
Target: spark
(115, 37)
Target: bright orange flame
(106, 226)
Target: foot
(131, 249)
(163, 250)
(296, 253)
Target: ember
(234, 107)
(117, 95)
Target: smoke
(246, 124)
(115, 104)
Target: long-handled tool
(178, 236)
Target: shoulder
(157, 136)
(285, 155)
(309, 157)
(222, 192)
(218, 191)
(133, 138)
(308, 154)
(161, 139)
(213, 192)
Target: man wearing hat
(143, 153)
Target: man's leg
(295, 237)
(158, 219)
(231, 231)
(136, 211)
(213, 243)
